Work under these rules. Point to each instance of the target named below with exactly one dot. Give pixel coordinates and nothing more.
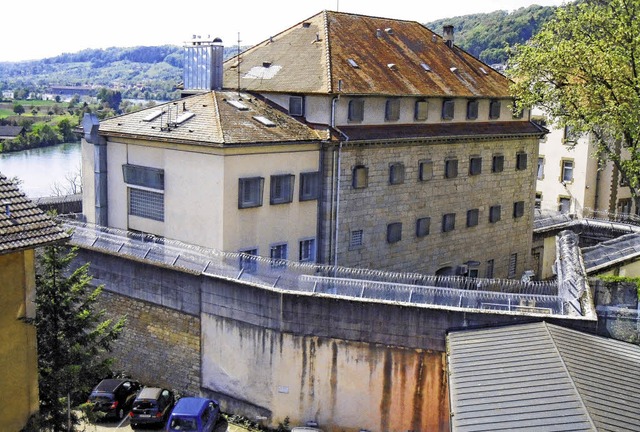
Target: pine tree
(73, 337)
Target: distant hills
(153, 72)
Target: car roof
(109, 385)
(190, 405)
(150, 393)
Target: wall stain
(385, 403)
(303, 374)
(418, 395)
(312, 368)
(334, 377)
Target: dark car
(194, 414)
(114, 397)
(151, 406)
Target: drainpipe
(343, 139)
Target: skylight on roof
(425, 67)
(453, 69)
(184, 117)
(152, 115)
(392, 66)
(237, 104)
(353, 63)
(263, 120)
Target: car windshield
(183, 424)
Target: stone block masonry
(159, 346)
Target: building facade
(387, 146)
(23, 227)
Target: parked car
(114, 397)
(194, 414)
(152, 406)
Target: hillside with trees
(488, 36)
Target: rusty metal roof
(212, 119)
(22, 224)
(334, 52)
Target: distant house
(541, 376)
(72, 90)
(11, 132)
(23, 227)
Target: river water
(43, 170)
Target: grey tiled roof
(213, 122)
(542, 377)
(611, 252)
(10, 131)
(22, 224)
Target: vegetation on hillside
(488, 36)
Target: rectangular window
(624, 206)
(281, 189)
(448, 106)
(309, 186)
(392, 110)
(489, 272)
(472, 110)
(247, 261)
(423, 226)
(567, 171)
(146, 204)
(394, 232)
(356, 110)
(475, 165)
(570, 136)
(450, 168)
(296, 105)
(356, 239)
(143, 176)
(250, 192)
(494, 213)
(396, 173)
(308, 250)
(521, 161)
(448, 222)
(564, 204)
(517, 112)
(425, 170)
(278, 252)
(538, 201)
(497, 163)
(518, 209)
(421, 110)
(513, 264)
(472, 217)
(540, 168)
(494, 109)
(360, 177)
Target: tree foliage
(582, 69)
(72, 336)
(18, 109)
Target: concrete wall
(18, 352)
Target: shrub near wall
(159, 346)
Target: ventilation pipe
(447, 35)
(203, 65)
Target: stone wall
(159, 346)
(372, 208)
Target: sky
(39, 29)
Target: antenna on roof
(337, 5)
(238, 64)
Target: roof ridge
(571, 379)
(327, 45)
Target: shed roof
(216, 119)
(334, 52)
(542, 377)
(22, 224)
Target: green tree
(583, 69)
(66, 130)
(72, 336)
(18, 109)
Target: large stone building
(23, 227)
(345, 139)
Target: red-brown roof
(335, 52)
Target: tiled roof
(334, 52)
(10, 131)
(211, 120)
(22, 224)
(540, 376)
(611, 252)
(440, 130)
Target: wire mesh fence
(413, 288)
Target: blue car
(194, 414)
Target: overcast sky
(45, 28)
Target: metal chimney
(447, 35)
(203, 64)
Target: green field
(6, 112)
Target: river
(43, 170)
